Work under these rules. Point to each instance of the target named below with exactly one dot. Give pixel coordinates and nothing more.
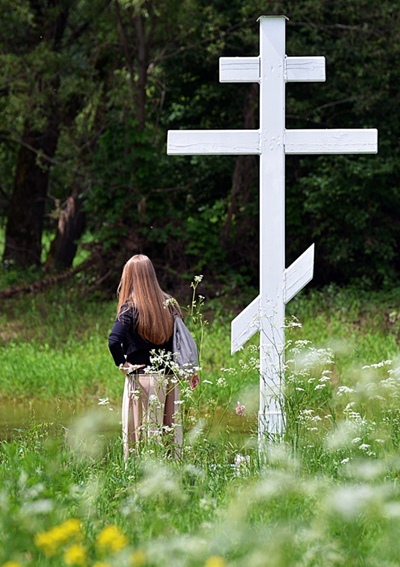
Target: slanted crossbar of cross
(272, 69)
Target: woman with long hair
(142, 330)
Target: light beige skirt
(150, 408)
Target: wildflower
(197, 279)
(229, 370)
(307, 412)
(378, 364)
(240, 409)
(170, 301)
(325, 378)
(11, 564)
(344, 390)
(51, 541)
(215, 561)
(46, 543)
(241, 464)
(137, 558)
(71, 527)
(75, 555)
(101, 564)
(111, 539)
(294, 323)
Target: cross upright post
(266, 313)
(272, 225)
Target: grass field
(325, 495)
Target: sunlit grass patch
(326, 494)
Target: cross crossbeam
(247, 69)
(236, 142)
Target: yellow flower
(71, 527)
(47, 543)
(75, 555)
(101, 564)
(137, 558)
(51, 541)
(111, 539)
(215, 561)
(11, 564)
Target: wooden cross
(278, 285)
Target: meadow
(326, 494)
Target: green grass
(367, 321)
(327, 494)
(198, 511)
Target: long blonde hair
(139, 288)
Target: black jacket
(125, 343)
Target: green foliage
(359, 238)
(327, 494)
(114, 94)
(334, 503)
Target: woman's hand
(127, 368)
(194, 381)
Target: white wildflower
(325, 378)
(344, 390)
(378, 364)
(154, 401)
(169, 302)
(241, 464)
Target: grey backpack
(184, 347)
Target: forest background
(88, 91)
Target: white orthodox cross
(278, 285)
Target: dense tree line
(88, 90)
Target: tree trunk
(71, 224)
(27, 206)
(137, 53)
(24, 229)
(142, 65)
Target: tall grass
(327, 494)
